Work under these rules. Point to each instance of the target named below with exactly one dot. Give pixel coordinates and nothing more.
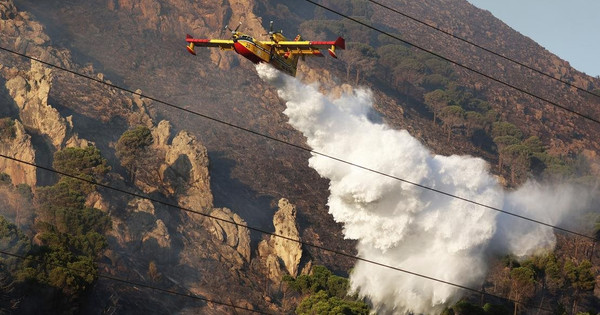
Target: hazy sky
(568, 28)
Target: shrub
(7, 129)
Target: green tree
(522, 286)
(452, 116)
(503, 128)
(360, 56)
(69, 234)
(581, 279)
(12, 239)
(434, 81)
(132, 146)
(390, 56)
(501, 143)
(81, 161)
(325, 293)
(466, 308)
(436, 101)
(516, 157)
(474, 120)
(534, 144)
(322, 303)
(86, 163)
(495, 309)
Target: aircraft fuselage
(256, 52)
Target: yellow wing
(308, 47)
(224, 44)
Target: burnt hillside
(139, 44)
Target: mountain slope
(139, 44)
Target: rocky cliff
(19, 147)
(51, 109)
(139, 44)
(29, 91)
(282, 256)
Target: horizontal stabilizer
(332, 53)
(191, 49)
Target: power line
(299, 241)
(484, 48)
(304, 149)
(296, 146)
(572, 111)
(139, 284)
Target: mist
(401, 225)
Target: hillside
(202, 165)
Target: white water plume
(399, 224)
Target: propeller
(271, 32)
(233, 31)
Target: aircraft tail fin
(190, 46)
(340, 43)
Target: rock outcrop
(281, 254)
(180, 169)
(29, 91)
(19, 31)
(233, 235)
(19, 147)
(186, 171)
(139, 228)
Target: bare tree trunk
(541, 304)
(512, 173)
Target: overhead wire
(129, 282)
(283, 142)
(524, 65)
(296, 146)
(321, 154)
(316, 153)
(265, 232)
(490, 77)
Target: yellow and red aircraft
(283, 54)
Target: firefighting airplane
(283, 54)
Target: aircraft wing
(309, 47)
(224, 44)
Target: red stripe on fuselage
(197, 41)
(322, 43)
(242, 50)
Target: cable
(572, 111)
(313, 152)
(299, 241)
(483, 48)
(113, 278)
(296, 146)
